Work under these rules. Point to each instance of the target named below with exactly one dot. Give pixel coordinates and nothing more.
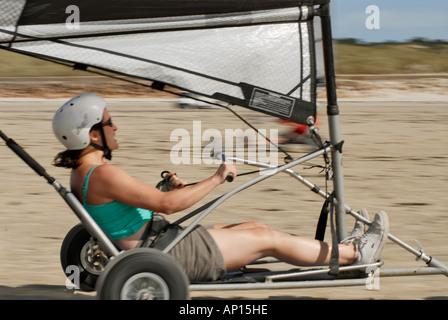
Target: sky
(398, 20)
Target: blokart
(262, 55)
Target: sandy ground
(395, 159)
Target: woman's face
(109, 130)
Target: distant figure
(297, 135)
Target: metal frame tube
(88, 222)
(347, 210)
(333, 119)
(309, 283)
(305, 273)
(243, 187)
(280, 285)
(412, 271)
(92, 227)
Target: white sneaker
(371, 243)
(358, 230)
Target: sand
(395, 159)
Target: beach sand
(394, 156)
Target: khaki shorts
(198, 255)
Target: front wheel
(143, 274)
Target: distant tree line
(416, 40)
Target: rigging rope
(161, 87)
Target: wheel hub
(93, 258)
(145, 286)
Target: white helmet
(73, 121)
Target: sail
(258, 54)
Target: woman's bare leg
(240, 247)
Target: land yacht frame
(118, 274)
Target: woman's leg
(241, 246)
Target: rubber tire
(70, 254)
(139, 261)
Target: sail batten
(53, 12)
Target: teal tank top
(117, 219)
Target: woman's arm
(114, 183)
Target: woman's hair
(70, 158)
(67, 159)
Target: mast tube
(333, 119)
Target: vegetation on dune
(415, 56)
(352, 56)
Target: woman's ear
(95, 136)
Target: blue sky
(399, 20)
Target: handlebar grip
(222, 156)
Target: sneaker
(359, 229)
(371, 243)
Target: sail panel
(262, 59)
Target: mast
(333, 119)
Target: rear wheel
(143, 274)
(80, 251)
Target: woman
(124, 207)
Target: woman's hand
(224, 170)
(175, 182)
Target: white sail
(256, 54)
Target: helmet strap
(104, 147)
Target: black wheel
(80, 251)
(143, 274)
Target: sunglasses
(108, 122)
